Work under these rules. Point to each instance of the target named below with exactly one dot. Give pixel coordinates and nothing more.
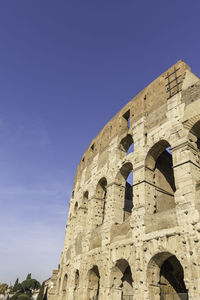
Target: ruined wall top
(150, 103)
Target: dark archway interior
(94, 283)
(127, 174)
(124, 280)
(164, 165)
(172, 280)
(102, 189)
(128, 201)
(127, 277)
(85, 199)
(127, 144)
(196, 131)
(164, 182)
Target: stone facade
(138, 240)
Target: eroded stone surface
(140, 239)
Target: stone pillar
(186, 172)
(139, 193)
(114, 204)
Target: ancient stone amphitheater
(137, 237)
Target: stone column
(186, 172)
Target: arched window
(75, 207)
(85, 200)
(126, 144)
(101, 190)
(125, 179)
(76, 285)
(165, 276)
(100, 201)
(160, 175)
(93, 283)
(122, 280)
(64, 285)
(76, 279)
(196, 132)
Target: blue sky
(66, 68)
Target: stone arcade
(138, 241)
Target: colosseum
(133, 229)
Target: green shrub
(30, 284)
(15, 297)
(20, 296)
(24, 297)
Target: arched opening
(76, 279)
(93, 283)
(165, 277)
(194, 156)
(160, 175)
(76, 285)
(125, 179)
(122, 280)
(101, 193)
(75, 207)
(84, 209)
(85, 200)
(196, 132)
(101, 190)
(126, 144)
(64, 287)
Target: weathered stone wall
(140, 241)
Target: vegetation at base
(19, 296)
(3, 288)
(17, 286)
(24, 297)
(25, 289)
(28, 276)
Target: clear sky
(66, 68)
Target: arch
(76, 279)
(126, 193)
(189, 123)
(165, 278)
(126, 143)
(76, 285)
(160, 177)
(101, 189)
(194, 141)
(155, 151)
(124, 172)
(121, 280)
(100, 201)
(85, 199)
(93, 283)
(195, 130)
(64, 286)
(75, 207)
(84, 207)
